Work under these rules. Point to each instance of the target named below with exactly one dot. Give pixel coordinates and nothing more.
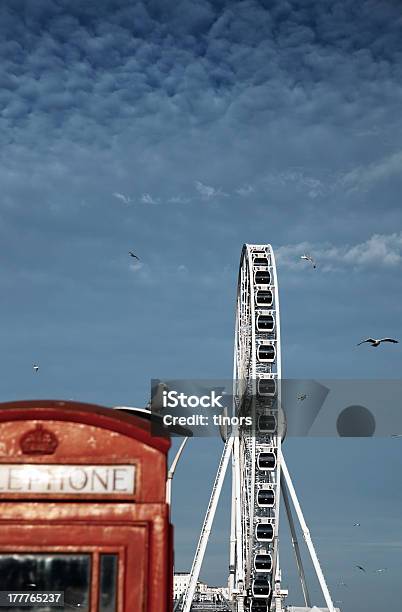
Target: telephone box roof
(120, 421)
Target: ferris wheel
(259, 471)
(255, 466)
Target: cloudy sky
(181, 130)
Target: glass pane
(108, 583)
(48, 572)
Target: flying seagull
(356, 525)
(301, 397)
(361, 568)
(308, 258)
(380, 571)
(35, 367)
(375, 342)
(133, 255)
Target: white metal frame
(307, 536)
(248, 478)
(244, 447)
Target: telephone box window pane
(108, 583)
(48, 572)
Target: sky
(181, 130)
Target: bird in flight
(356, 525)
(301, 397)
(361, 568)
(381, 570)
(133, 255)
(309, 258)
(35, 367)
(376, 342)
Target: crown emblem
(38, 441)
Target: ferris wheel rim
(257, 269)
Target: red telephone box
(82, 507)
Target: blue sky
(182, 130)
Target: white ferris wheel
(259, 471)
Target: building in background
(203, 591)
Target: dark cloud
(113, 62)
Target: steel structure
(259, 471)
(254, 563)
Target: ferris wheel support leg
(295, 543)
(307, 536)
(207, 525)
(239, 569)
(232, 549)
